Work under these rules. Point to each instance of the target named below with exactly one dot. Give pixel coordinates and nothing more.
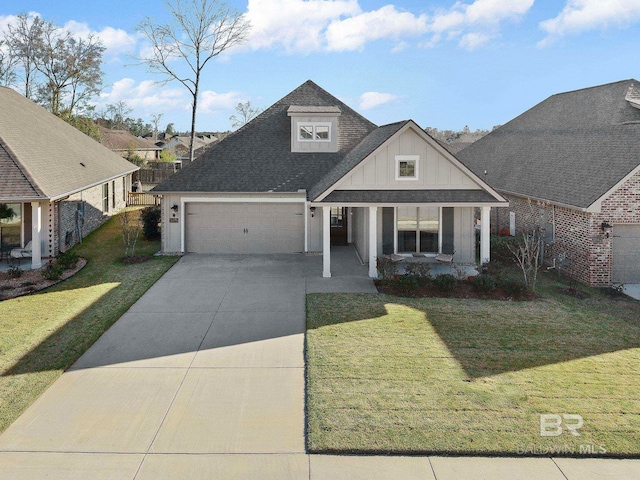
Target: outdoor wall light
(175, 208)
(313, 211)
(606, 228)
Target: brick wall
(66, 230)
(578, 234)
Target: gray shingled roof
(14, 184)
(258, 157)
(571, 148)
(409, 196)
(42, 154)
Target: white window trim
(313, 125)
(407, 158)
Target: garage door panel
(244, 228)
(626, 254)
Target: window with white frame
(407, 167)
(314, 132)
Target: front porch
(22, 228)
(377, 230)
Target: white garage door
(626, 254)
(244, 227)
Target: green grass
(397, 375)
(44, 333)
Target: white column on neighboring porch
(373, 241)
(326, 242)
(36, 235)
(485, 249)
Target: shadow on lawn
(492, 338)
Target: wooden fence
(154, 175)
(142, 198)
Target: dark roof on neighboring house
(258, 157)
(570, 149)
(409, 196)
(42, 156)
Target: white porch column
(36, 235)
(485, 249)
(373, 241)
(326, 242)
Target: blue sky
(444, 64)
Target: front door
(339, 233)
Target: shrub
(445, 283)
(67, 260)
(387, 269)
(417, 269)
(484, 283)
(14, 272)
(52, 271)
(407, 284)
(513, 286)
(150, 223)
(500, 252)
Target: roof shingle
(571, 148)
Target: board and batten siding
(434, 170)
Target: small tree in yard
(527, 255)
(130, 225)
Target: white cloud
(145, 97)
(476, 23)
(387, 22)
(581, 15)
(296, 25)
(116, 41)
(369, 100)
(212, 102)
(474, 40)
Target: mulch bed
(32, 281)
(462, 290)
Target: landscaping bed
(461, 376)
(31, 281)
(463, 289)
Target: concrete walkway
(204, 378)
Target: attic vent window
(407, 167)
(314, 132)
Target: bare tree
(70, 66)
(22, 39)
(118, 112)
(527, 255)
(155, 121)
(7, 65)
(245, 112)
(200, 30)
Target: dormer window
(314, 132)
(314, 129)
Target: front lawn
(44, 333)
(398, 375)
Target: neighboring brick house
(59, 187)
(571, 166)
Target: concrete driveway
(204, 378)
